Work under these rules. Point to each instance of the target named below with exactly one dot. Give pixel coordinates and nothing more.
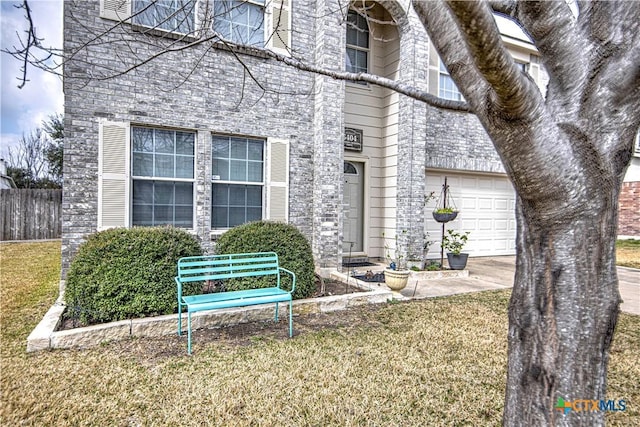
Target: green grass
(628, 253)
(433, 362)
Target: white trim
(366, 203)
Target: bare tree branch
(553, 28)
(398, 86)
(451, 48)
(516, 95)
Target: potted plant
(396, 275)
(444, 214)
(453, 242)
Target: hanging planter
(445, 210)
(444, 215)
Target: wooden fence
(30, 214)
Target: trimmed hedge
(127, 273)
(293, 249)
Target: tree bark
(562, 314)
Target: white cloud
(25, 109)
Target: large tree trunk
(562, 313)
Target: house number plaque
(353, 139)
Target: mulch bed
(331, 287)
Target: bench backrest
(228, 266)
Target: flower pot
(396, 280)
(457, 262)
(444, 217)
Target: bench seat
(235, 299)
(203, 269)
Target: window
(240, 21)
(523, 66)
(447, 88)
(171, 15)
(162, 170)
(357, 57)
(238, 181)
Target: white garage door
(487, 210)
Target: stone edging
(45, 336)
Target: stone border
(438, 274)
(45, 336)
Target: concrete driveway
(486, 273)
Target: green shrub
(293, 249)
(126, 273)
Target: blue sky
(24, 109)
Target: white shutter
(277, 188)
(113, 175)
(279, 26)
(117, 10)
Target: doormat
(357, 264)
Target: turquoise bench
(220, 267)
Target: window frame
(156, 29)
(163, 179)
(234, 182)
(443, 72)
(262, 4)
(357, 48)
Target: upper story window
(240, 21)
(357, 57)
(447, 89)
(237, 181)
(177, 16)
(162, 168)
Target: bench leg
(189, 332)
(276, 318)
(290, 319)
(179, 319)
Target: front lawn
(628, 253)
(433, 362)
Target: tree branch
(450, 46)
(516, 96)
(398, 86)
(554, 30)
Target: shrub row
(127, 273)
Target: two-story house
(165, 123)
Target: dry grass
(433, 362)
(628, 253)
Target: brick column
(328, 124)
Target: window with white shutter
(277, 191)
(116, 10)
(279, 28)
(113, 177)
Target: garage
(487, 210)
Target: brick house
(190, 139)
(629, 215)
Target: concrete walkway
(486, 273)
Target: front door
(352, 203)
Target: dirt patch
(150, 351)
